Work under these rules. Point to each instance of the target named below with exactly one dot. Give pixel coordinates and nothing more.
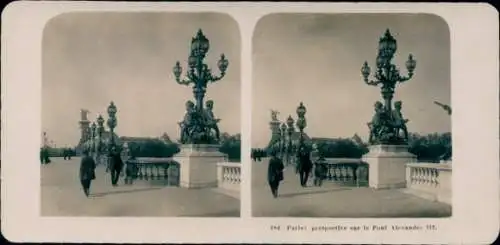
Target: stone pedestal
(387, 165)
(198, 165)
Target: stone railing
(347, 171)
(229, 175)
(160, 171)
(430, 180)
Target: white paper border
(475, 77)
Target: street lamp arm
(403, 79)
(217, 78)
(183, 81)
(372, 82)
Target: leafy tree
(231, 145)
(430, 147)
(341, 148)
(152, 148)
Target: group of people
(44, 155)
(67, 153)
(114, 166)
(304, 168)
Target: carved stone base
(387, 165)
(198, 165)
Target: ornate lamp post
(291, 129)
(199, 75)
(112, 121)
(93, 132)
(301, 122)
(282, 140)
(387, 74)
(100, 124)
(100, 130)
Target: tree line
(429, 147)
(229, 144)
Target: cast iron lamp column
(301, 122)
(93, 133)
(291, 129)
(112, 122)
(387, 74)
(282, 140)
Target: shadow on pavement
(313, 192)
(123, 192)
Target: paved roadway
(332, 200)
(61, 195)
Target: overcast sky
(316, 58)
(90, 59)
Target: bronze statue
(187, 122)
(399, 122)
(375, 124)
(211, 121)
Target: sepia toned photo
(140, 115)
(241, 122)
(351, 116)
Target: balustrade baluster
(140, 170)
(417, 176)
(157, 171)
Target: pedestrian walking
(275, 173)
(87, 172)
(115, 165)
(304, 165)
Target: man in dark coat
(87, 171)
(115, 165)
(275, 173)
(304, 165)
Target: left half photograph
(140, 115)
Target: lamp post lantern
(291, 129)
(197, 130)
(100, 126)
(386, 127)
(112, 121)
(93, 133)
(301, 122)
(282, 140)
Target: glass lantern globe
(301, 110)
(100, 120)
(111, 109)
(191, 61)
(411, 63)
(223, 63)
(365, 70)
(177, 69)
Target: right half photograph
(351, 116)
